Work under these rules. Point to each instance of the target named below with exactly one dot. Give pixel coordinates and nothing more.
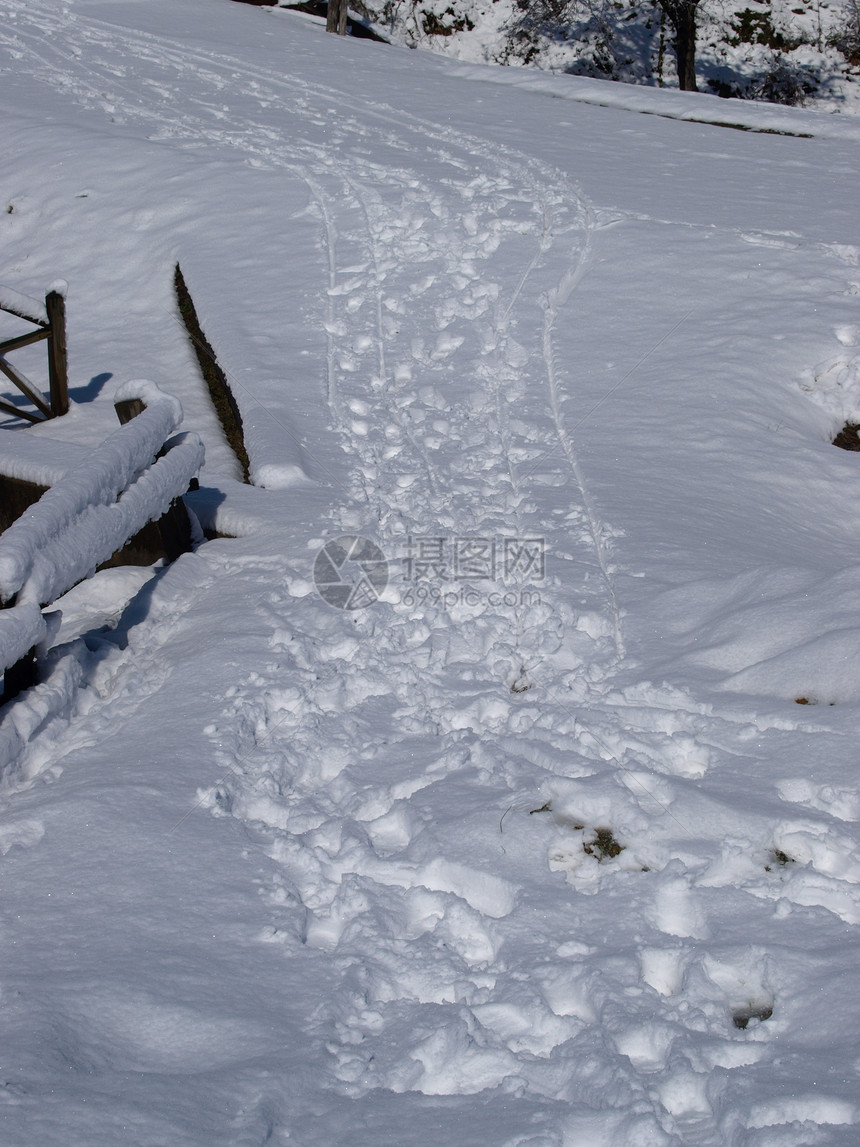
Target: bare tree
(681, 14)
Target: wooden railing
(136, 475)
(51, 326)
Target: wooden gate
(50, 324)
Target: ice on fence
(99, 530)
(97, 480)
(21, 628)
(23, 305)
(78, 525)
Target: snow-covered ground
(539, 848)
(795, 52)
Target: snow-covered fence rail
(132, 478)
(50, 322)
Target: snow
(695, 107)
(23, 306)
(21, 627)
(28, 458)
(95, 533)
(779, 51)
(547, 854)
(78, 524)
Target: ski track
(442, 443)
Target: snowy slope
(793, 52)
(277, 872)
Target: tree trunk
(336, 17)
(682, 17)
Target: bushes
(785, 82)
(792, 52)
(846, 38)
(757, 28)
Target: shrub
(846, 38)
(785, 82)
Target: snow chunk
(820, 1109)
(488, 894)
(22, 834)
(279, 475)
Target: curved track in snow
(392, 253)
(453, 964)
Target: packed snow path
(276, 872)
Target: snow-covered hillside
(797, 52)
(554, 841)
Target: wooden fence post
(174, 525)
(55, 305)
(129, 408)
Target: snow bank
(51, 703)
(695, 107)
(233, 508)
(38, 459)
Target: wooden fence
(50, 325)
(77, 525)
